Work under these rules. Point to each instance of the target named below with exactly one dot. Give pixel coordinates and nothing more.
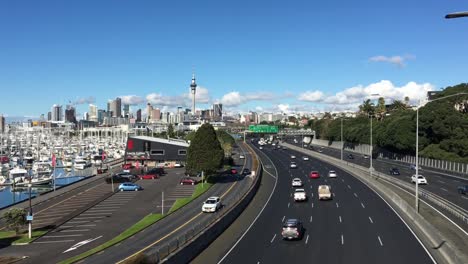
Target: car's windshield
(210, 201)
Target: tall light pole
(417, 144)
(342, 142)
(30, 210)
(371, 147)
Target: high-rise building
(57, 113)
(156, 114)
(2, 124)
(100, 115)
(118, 107)
(126, 110)
(86, 116)
(218, 112)
(49, 116)
(193, 89)
(149, 110)
(93, 113)
(70, 114)
(138, 115)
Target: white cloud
(158, 100)
(201, 95)
(86, 100)
(132, 99)
(236, 98)
(397, 60)
(283, 108)
(311, 96)
(385, 89)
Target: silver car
(292, 229)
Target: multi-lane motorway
(357, 226)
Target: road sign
(29, 218)
(263, 129)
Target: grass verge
(22, 238)
(142, 224)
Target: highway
(357, 226)
(440, 183)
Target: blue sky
(249, 55)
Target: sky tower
(193, 89)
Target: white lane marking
(101, 210)
(89, 217)
(283, 218)
(349, 187)
(312, 194)
(63, 236)
(355, 195)
(310, 219)
(342, 180)
(82, 243)
(307, 239)
(60, 241)
(273, 238)
(464, 197)
(363, 205)
(289, 204)
(370, 219)
(86, 214)
(290, 195)
(312, 204)
(311, 186)
(342, 239)
(380, 240)
(340, 219)
(337, 205)
(325, 180)
(444, 189)
(85, 225)
(76, 230)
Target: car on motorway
(365, 156)
(260, 147)
(187, 181)
(305, 158)
(350, 156)
(300, 195)
(293, 165)
(284, 148)
(314, 175)
(296, 182)
(293, 157)
(211, 205)
(129, 186)
(292, 229)
(332, 174)
(463, 189)
(241, 157)
(233, 171)
(324, 192)
(245, 171)
(413, 167)
(421, 179)
(394, 171)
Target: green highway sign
(263, 129)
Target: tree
(398, 105)
(380, 110)
(205, 152)
(367, 107)
(170, 131)
(15, 218)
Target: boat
(81, 164)
(18, 176)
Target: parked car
(116, 179)
(127, 175)
(296, 182)
(332, 174)
(158, 170)
(394, 171)
(463, 189)
(102, 170)
(187, 181)
(149, 176)
(292, 229)
(350, 156)
(178, 165)
(421, 179)
(314, 175)
(241, 157)
(211, 204)
(129, 186)
(127, 166)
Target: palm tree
(398, 105)
(367, 107)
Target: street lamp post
(342, 142)
(371, 147)
(417, 145)
(30, 212)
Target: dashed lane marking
(380, 241)
(370, 219)
(273, 239)
(363, 205)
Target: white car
(296, 182)
(241, 157)
(300, 195)
(293, 165)
(211, 204)
(305, 158)
(421, 179)
(293, 157)
(332, 174)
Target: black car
(158, 171)
(116, 179)
(127, 175)
(394, 171)
(350, 156)
(245, 171)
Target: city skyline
(268, 57)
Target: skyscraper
(93, 113)
(57, 113)
(49, 116)
(193, 89)
(2, 124)
(118, 106)
(126, 110)
(218, 112)
(70, 114)
(149, 110)
(138, 115)
(156, 114)
(100, 115)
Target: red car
(233, 171)
(187, 180)
(149, 176)
(127, 166)
(314, 175)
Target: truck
(324, 192)
(300, 195)
(463, 189)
